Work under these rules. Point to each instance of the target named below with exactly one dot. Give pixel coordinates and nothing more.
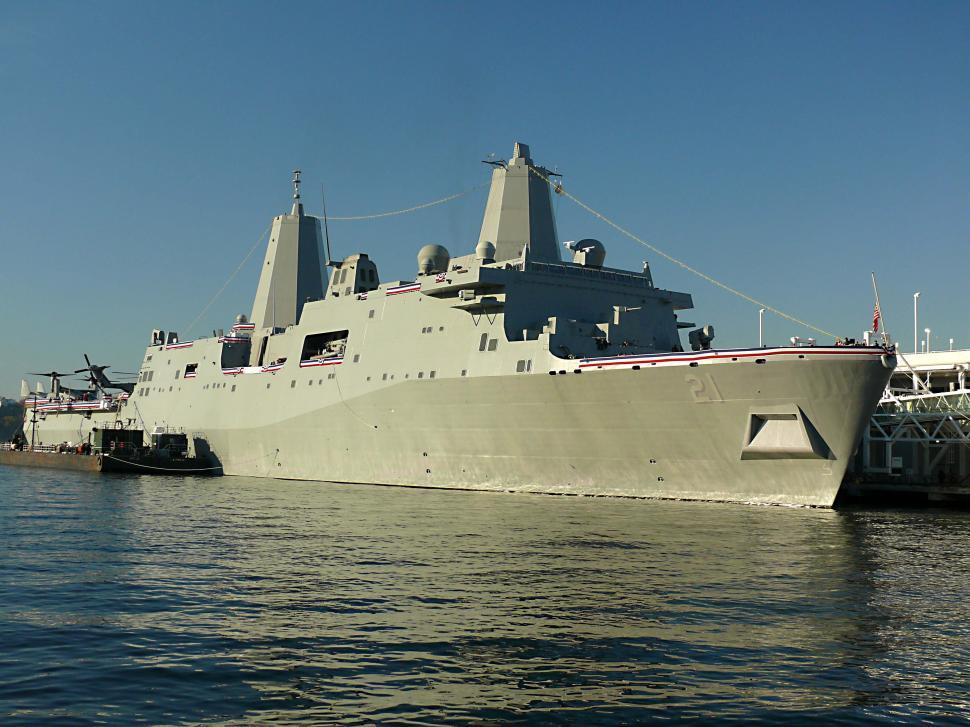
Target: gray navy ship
(507, 368)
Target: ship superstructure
(507, 368)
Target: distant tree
(11, 421)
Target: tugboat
(121, 450)
(117, 448)
(113, 450)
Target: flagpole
(875, 290)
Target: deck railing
(640, 281)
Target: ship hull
(667, 432)
(621, 433)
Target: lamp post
(927, 332)
(761, 328)
(915, 324)
(915, 336)
(951, 344)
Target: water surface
(234, 600)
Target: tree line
(11, 420)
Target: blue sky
(785, 148)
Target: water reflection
(220, 600)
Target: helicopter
(99, 380)
(56, 389)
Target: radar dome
(433, 259)
(485, 251)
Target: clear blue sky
(786, 148)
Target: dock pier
(916, 449)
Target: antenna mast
(326, 229)
(297, 202)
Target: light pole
(915, 336)
(927, 332)
(951, 344)
(915, 324)
(761, 328)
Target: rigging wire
(230, 279)
(558, 189)
(336, 380)
(327, 217)
(393, 213)
(140, 417)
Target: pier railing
(8, 447)
(947, 402)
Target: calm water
(236, 600)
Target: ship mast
(518, 214)
(291, 272)
(297, 203)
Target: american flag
(440, 277)
(876, 315)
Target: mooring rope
(160, 469)
(273, 454)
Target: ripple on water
(235, 599)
